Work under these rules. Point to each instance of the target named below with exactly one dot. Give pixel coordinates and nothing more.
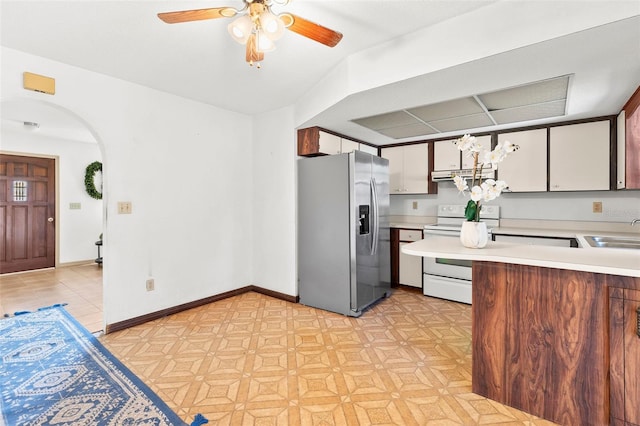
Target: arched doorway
(34, 130)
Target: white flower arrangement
(486, 190)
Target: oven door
(450, 268)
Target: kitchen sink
(613, 242)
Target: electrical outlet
(151, 285)
(415, 205)
(597, 206)
(124, 207)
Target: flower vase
(474, 234)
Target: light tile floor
(256, 360)
(78, 286)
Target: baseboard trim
(110, 328)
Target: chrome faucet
(633, 222)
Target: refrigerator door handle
(375, 214)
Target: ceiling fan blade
(197, 14)
(310, 29)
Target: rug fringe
(198, 420)
(57, 305)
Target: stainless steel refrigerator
(343, 231)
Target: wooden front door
(27, 213)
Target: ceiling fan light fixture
(240, 29)
(272, 26)
(264, 42)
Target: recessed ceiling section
(386, 121)
(444, 110)
(534, 101)
(408, 131)
(530, 112)
(465, 122)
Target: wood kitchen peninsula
(553, 328)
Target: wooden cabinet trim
(534, 342)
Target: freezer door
(370, 204)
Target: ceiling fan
(258, 27)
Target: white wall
(186, 168)
(78, 229)
(274, 202)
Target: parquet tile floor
(255, 360)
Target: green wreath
(89, 184)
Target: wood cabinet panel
(395, 256)
(624, 347)
(632, 141)
(540, 341)
(632, 360)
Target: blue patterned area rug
(54, 372)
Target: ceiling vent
(542, 99)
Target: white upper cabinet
(446, 155)
(485, 142)
(329, 144)
(525, 170)
(347, 145)
(369, 149)
(579, 157)
(408, 168)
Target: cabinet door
(368, 148)
(579, 157)
(632, 357)
(347, 145)
(446, 155)
(329, 144)
(416, 168)
(485, 142)
(410, 269)
(525, 170)
(396, 160)
(624, 348)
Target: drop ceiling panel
(409, 131)
(384, 121)
(530, 112)
(532, 101)
(466, 122)
(449, 109)
(535, 93)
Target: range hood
(444, 175)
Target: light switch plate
(124, 207)
(597, 206)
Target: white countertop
(625, 262)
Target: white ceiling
(199, 60)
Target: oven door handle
(428, 232)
